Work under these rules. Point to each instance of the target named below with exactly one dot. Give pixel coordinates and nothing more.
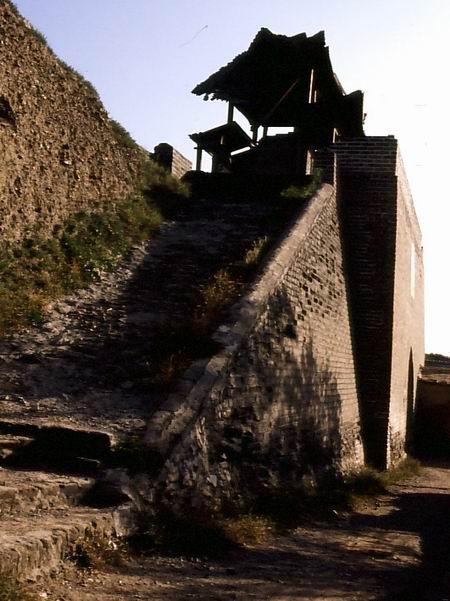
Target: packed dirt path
(395, 548)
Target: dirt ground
(395, 548)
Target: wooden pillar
(230, 112)
(198, 165)
(312, 83)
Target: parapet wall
(167, 156)
(279, 405)
(59, 152)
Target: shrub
(305, 191)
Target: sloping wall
(278, 406)
(59, 152)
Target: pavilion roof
(269, 83)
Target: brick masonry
(383, 252)
(278, 407)
(59, 152)
(319, 368)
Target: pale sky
(145, 56)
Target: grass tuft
(219, 292)
(97, 551)
(248, 529)
(254, 254)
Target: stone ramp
(89, 364)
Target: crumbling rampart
(59, 151)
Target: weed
(34, 32)
(199, 537)
(305, 191)
(38, 35)
(80, 78)
(168, 533)
(12, 6)
(289, 508)
(12, 590)
(369, 481)
(122, 136)
(170, 368)
(365, 482)
(254, 254)
(155, 180)
(215, 295)
(406, 469)
(248, 529)
(96, 551)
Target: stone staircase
(75, 385)
(43, 513)
(52, 448)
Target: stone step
(9, 444)
(36, 545)
(24, 492)
(53, 447)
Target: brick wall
(380, 231)
(432, 427)
(408, 319)
(319, 369)
(59, 152)
(279, 406)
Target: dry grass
(248, 529)
(168, 533)
(97, 551)
(255, 253)
(12, 590)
